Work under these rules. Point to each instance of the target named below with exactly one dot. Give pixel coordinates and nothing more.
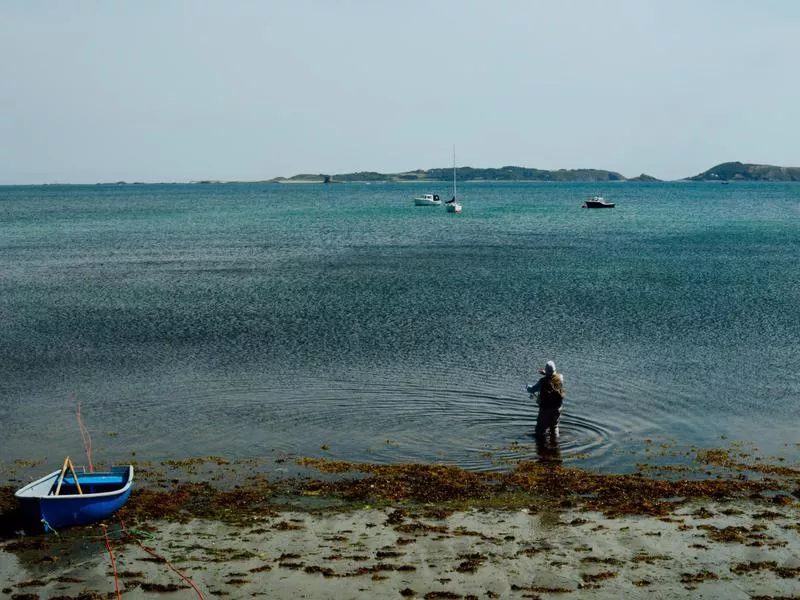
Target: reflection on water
(549, 449)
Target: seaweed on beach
(414, 504)
(610, 494)
(722, 457)
(736, 534)
(439, 488)
(195, 500)
(418, 482)
(595, 577)
(700, 577)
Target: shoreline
(425, 531)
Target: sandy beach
(739, 550)
(332, 540)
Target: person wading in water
(550, 390)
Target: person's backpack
(552, 392)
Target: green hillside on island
(462, 174)
(736, 171)
(729, 171)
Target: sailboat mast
(454, 171)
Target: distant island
(462, 174)
(736, 171)
(728, 171)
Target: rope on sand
(113, 560)
(162, 559)
(85, 436)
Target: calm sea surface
(251, 321)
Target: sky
(186, 90)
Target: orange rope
(85, 436)
(162, 559)
(113, 560)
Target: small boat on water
(597, 202)
(427, 200)
(62, 500)
(453, 205)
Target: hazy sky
(169, 90)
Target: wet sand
(731, 549)
(425, 531)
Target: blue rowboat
(62, 500)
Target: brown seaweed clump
(414, 482)
(626, 494)
(440, 487)
(611, 494)
(527, 484)
(195, 500)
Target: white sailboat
(452, 205)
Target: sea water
(257, 320)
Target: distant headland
(729, 171)
(736, 171)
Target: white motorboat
(427, 200)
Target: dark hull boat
(597, 202)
